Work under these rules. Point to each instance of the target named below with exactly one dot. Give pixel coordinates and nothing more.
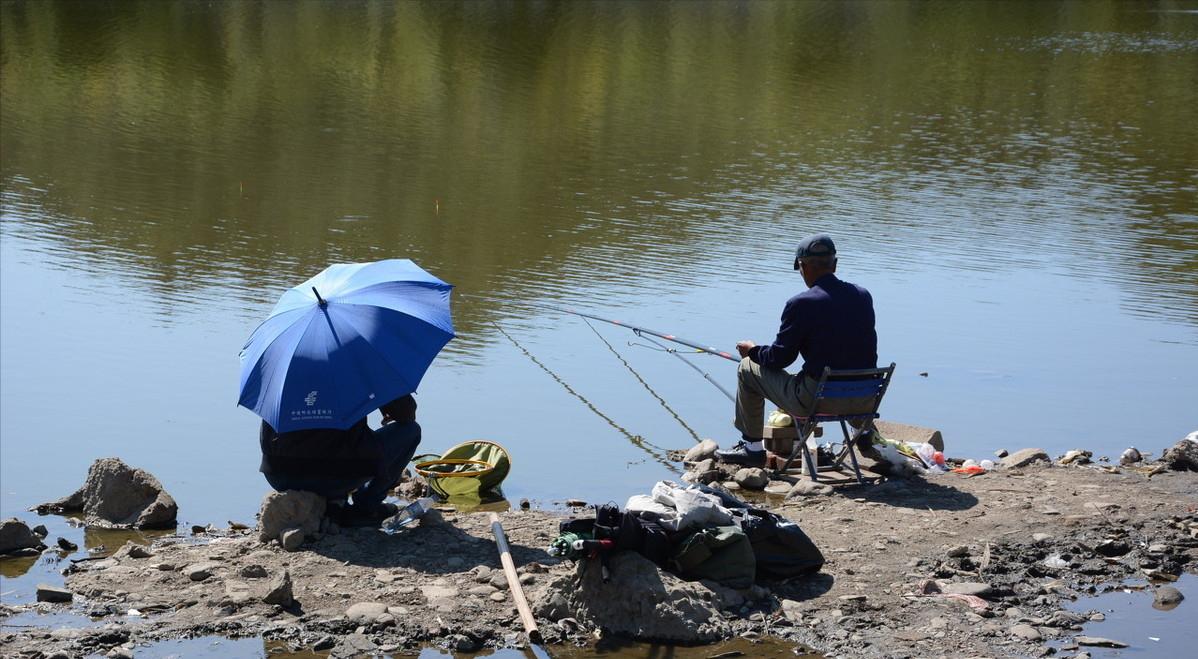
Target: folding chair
(841, 396)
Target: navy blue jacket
(320, 451)
(829, 324)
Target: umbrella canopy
(344, 342)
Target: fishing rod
(636, 440)
(646, 333)
(644, 330)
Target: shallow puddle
(1131, 618)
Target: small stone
(199, 571)
(40, 531)
(498, 579)
(48, 593)
(324, 643)
(1076, 457)
(253, 572)
(67, 545)
(1099, 642)
(968, 588)
(957, 552)
(279, 590)
(576, 503)
(701, 451)
(1041, 537)
(291, 539)
(132, 550)
(778, 487)
(498, 596)
(365, 611)
(1158, 548)
(356, 644)
(807, 488)
(1026, 632)
(1001, 453)
(196, 529)
(1024, 457)
(1130, 456)
(524, 504)
(1167, 597)
(751, 478)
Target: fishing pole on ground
(647, 334)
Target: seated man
(337, 463)
(829, 324)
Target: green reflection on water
(240, 143)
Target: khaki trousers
(793, 394)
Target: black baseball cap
(818, 245)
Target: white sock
(755, 446)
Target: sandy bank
(904, 559)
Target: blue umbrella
(344, 342)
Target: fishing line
(644, 384)
(636, 440)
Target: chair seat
(820, 418)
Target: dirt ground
(1025, 541)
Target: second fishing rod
(647, 334)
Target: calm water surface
(1017, 183)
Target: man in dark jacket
(337, 463)
(830, 324)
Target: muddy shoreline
(945, 565)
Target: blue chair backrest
(853, 388)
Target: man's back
(830, 324)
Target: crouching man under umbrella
(830, 324)
(337, 464)
(328, 353)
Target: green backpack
(720, 553)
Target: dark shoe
(359, 516)
(741, 455)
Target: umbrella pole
(513, 581)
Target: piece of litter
(1154, 638)
(135, 613)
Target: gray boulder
(1182, 456)
(639, 601)
(16, 536)
(116, 495)
(293, 509)
(1024, 457)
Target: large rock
(907, 433)
(116, 495)
(639, 601)
(1024, 457)
(1183, 456)
(15, 536)
(293, 509)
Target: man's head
(815, 257)
(400, 410)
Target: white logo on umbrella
(310, 399)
